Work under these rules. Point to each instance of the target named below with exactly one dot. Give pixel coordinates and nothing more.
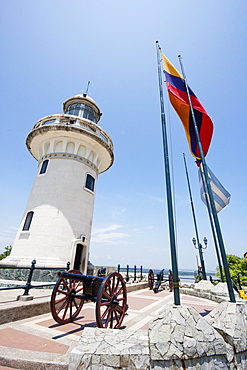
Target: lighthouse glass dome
(82, 110)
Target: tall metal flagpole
(195, 223)
(212, 226)
(210, 194)
(168, 189)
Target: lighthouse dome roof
(84, 97)
(79, 103)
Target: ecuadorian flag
(179, 99)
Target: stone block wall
(178, 338)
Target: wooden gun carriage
(156, 283)
(73, 289)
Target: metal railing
(75, 121)
(28, 284)
(131, 273)
(241, 280)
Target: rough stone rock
(168, 341)
(220, 289)
(204, 285)
(203, 363)
(230, 320)
(111, 349)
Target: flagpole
(212, 225)
(199, 246)
(210, 194)
(168, 188)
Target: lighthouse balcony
(77, 122)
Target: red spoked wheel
(66, 302)
(111, 304)
(150, 279)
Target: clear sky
(51, 49)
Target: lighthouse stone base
(18, 269)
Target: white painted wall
(63, 210)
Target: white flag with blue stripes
(220, 194)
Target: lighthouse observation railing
(77, 122)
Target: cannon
(156, 283)
(73, 289)
(160, 277)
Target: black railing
(28, 284)
(241, 280)
(137, 273)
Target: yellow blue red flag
(179, 99)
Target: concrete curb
(32, 364)
(23, 311)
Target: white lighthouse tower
(71, 150)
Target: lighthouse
(71, 150)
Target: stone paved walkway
(30, 343)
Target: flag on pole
(220, 194)
(175, 84)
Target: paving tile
(145, 326)
(17, 339)
(150, 293)
(137, 303)
(85, 319)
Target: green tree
(6, 252)
(237, 265)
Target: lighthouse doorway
(79, 261)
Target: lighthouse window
(82, 110)
(44, 167)
(89, 113)
(28, 221)
(76, 109)
(90, 182)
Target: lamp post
(200, 248)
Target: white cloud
(9, 231)
(7, 237)
(106, 229)
(156, 199)
(110, 238)
(4, 241)
(107, 235)
(117, 213)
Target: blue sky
(50, 50)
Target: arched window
(28, 221)
(90, 180)
(44, 167)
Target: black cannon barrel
(160, 275)
(159, 280)
(79, 277)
